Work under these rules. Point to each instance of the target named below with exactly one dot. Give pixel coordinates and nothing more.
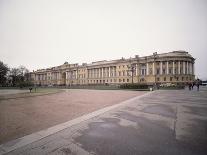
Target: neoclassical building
(172, 67)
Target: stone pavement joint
(23, 141)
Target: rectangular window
(164, 78)
(171, 78)
(170, 71)
(119, 73)
(158, 71)
(123, 73)
(163, 71)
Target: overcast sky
(45, 33)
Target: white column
(183, 67)
(136, 70)
(187, 68)
(161, 68)
(153, 68)
(109, 72)
(102, 72)
(178, 67)
(173, 67)
(167, 68)
(76, 74)
(147, 69)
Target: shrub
(134, 86)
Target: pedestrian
(198, 84)
(193, 84)
(189, 85)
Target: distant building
(172, 67)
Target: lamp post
(131, 68)
(155, 56)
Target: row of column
(188, 68)
(53, 76)
(101, 72)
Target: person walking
(198, 84)
(193, 84)
(189, 85)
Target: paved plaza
(161, 122)
(25, 115)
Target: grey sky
(46, 33)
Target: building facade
(172, 67)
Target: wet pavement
(11, 91)
(169, 122)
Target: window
(163, 63)
(171, 78)
(111, 80)
(177, 78)
(164, 78)
(182, 78)
(170, 70)
(127, 80)
(158, 71)
(119, 73)
(119, 80)
(150, 71)
(123, 80)
(175, 71)
(158, 79)
(163, 71)
(123, 73)
(143, 72)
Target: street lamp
(155, 56)
(131, 68)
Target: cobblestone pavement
(168, 122)
(26, 115)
